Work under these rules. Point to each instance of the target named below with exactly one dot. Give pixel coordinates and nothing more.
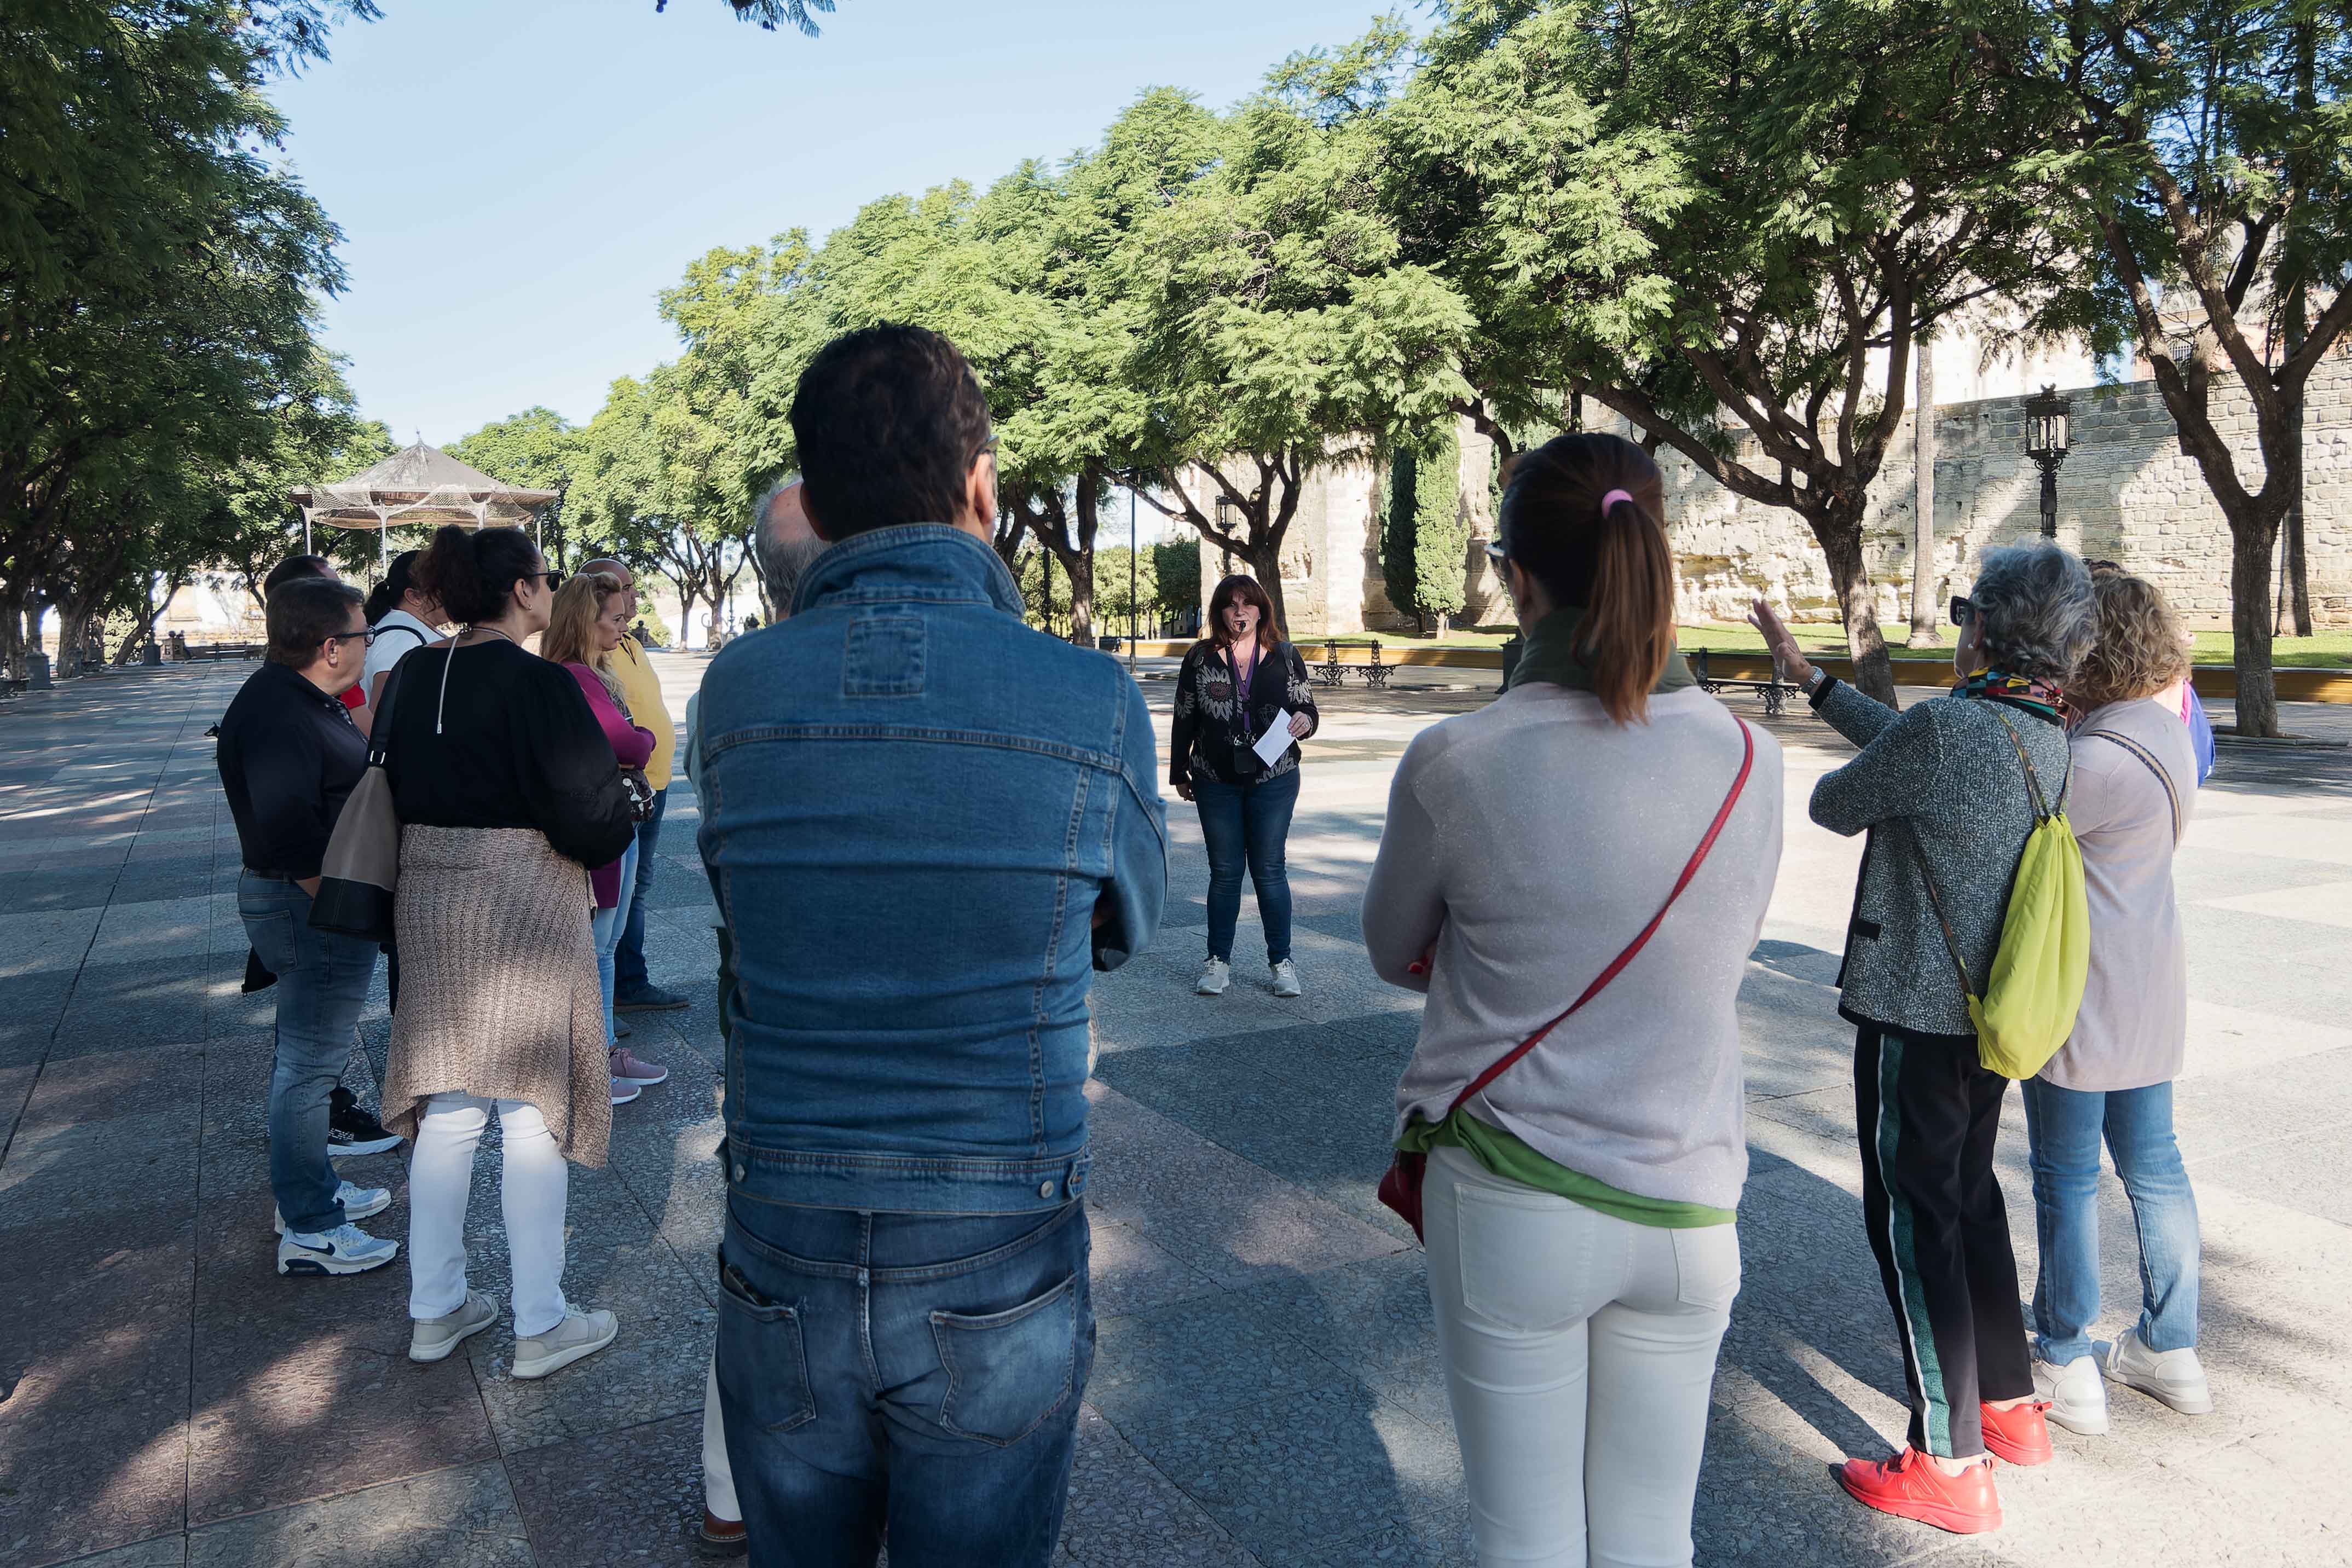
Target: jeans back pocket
(762, 1363)
(1008, 1371)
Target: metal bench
(1333, 673)
(1776, 691)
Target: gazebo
(419, 485)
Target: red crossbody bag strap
(1599, 981)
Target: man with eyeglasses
(290, 756)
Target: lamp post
(1134, 611)
(2045, 442)
(1228, 519)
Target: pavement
(1266, 1389)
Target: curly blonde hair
(570, 634)
(2141, 648)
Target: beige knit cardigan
(498, 995)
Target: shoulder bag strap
(2042, 810)
(380, 727)
(1936, 897)
(1698, 857)
(2148, 761)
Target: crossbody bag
(1400, 1186)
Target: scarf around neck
(1551, 656)
(2033, 696)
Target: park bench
(1776, 691)
(216, 652)
(1333, 672)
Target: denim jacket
(911, 803)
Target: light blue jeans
(322, 982)
(607, 928)
(2064, 1128)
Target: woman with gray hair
(2135, 782)
(1947, 791)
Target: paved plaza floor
(1266, 1389)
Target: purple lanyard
(1242, 679)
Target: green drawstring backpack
(2028, 1009)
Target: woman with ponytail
(508, 791)
(1579, 1204)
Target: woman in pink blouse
(583, 630)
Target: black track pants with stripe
(1927, 1116)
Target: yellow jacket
(642, 687)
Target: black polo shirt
(290, 756)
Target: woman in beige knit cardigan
(507, 791)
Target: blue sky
(516, 179)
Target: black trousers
(1929, 1116)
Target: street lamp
(2045, 442)
(1229, 518)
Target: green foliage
(537, 449)
(771, 15)
(1400, 512)
(1441, 534)
(1176, 576)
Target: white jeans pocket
(1527, 1258)
(1706, 1261)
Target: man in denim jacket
(927, 825)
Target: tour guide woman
(1579, 1209)
(507, 792)
(1231, 685)
(1943, 791)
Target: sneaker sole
(363, 1211)
(678, 1006)
(311, 1264)
(443, 1352)
(1944, 1518)
(1290, 994)
(2009, 1456)
(647, 1083)
(2082, 1425)
(367, 1146)
(2185, 1403)
(562, 1358)
(625, 1099)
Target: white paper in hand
(1275, 740)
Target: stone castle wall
(2126, 493)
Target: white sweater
(1531, 842)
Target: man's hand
(309, 884)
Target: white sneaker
(579, 1334)
(2077, 1395)
(431, 1339)
(345, 1250)
(1216, 976)
(624, 1091)
(2173, 1377)
(359, 1203)
(1286, 979)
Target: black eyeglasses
(554, 579)
(366, 635)
(986, 448)
(1495, 553)
(1963, 610)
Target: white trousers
(533, 1187)
(718, 1474)
(1578, 1351)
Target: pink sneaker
(632, 1069)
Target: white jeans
(718, 1474)
(534, 1186)
(1556, 1321)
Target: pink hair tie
(1614, 497)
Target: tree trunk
(73, 625)
(1266, 565)
(12, 637)
(1080, 566)
(2250, 622)
(1923, 618)
(1839, 536)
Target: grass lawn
(2328, 650)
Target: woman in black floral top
(1237, 684)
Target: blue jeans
(1248, 823)
(606, 928)
(323, 983)
(914, 1373)
(2064, 1127)
(629, 960)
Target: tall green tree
(537, 449)
(1728, 224)
(2204, 161)
(1441, 542)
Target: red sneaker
(2019, 1434)
(1913, 1486)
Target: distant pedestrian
(1581, 1207)
(290, 756)
(2135, 785)
(1947, 791)
(506, 790)
(583, 630)
(1238, 685)
(927, 824)
(633, 987)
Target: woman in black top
(508, 792)
(1235, 685)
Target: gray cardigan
(1940, 779)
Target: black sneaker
(352, 1131)
(649, 999)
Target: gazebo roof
(419, 485)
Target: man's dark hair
(293, 567)
(888, 419)
(303, 612)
